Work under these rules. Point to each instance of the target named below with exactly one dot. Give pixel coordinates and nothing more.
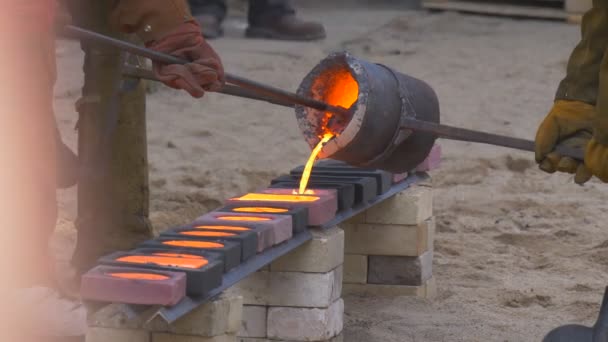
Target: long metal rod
(228, 89)
(462, 134)
(259, 88)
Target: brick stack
(389, 247)
(215, 321)
(298, 297)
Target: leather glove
(568, 123)
(596, 159)
(205, 71)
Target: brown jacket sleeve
(149, 19)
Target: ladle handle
(259, 88)
(462, 134)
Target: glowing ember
(260, 210)
(193, 244)
(243, 218)
(207, 234)
(139, 276)
(164, 261)
(277, 198)
(232, 228)
(311, 161)
(178, 255)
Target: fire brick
(95, 334)
(379, 239)
(409, 207)
(246, 239)
(133, 286)
(322, 254)
(320, 210)
(254, 322)
(299, 215)
(293, 289)
(162, 337)
(281, 224)
(304, 324)
(202, 275)
(355, 269)
(218, 317)
(400, 270)
(346, 192)
(230, 252)
(428, 290)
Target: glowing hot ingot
(266, 210)
(164, 261)
(207, 234)
(310, 163)
(139, 276)
(243, 218)
(193, 244)
(230, 228)
(277, 198)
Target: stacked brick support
(298, 297)
(389, 247)
(216, 321)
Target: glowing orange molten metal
(179, 255)
(343, 92)
(260, 210)
(207, 234)
(277, 198)
(193, 244)
(139, 276)
(243, 218)
(164, 261)
(311, 161)
(232, 228)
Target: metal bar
(228, 89)
(462, 134)
(262, 89)
(235, 275)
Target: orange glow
(311, 161)
(243, 218)
(260, 210)
(277, 198)
(193, 244)
(164, 261)
(179, 255)
(139, 276)
(343, 92)
(207, 234)
(232, 228)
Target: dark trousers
(258, 9)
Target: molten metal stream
(311, 160)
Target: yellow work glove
(596, 159)
(569, 123)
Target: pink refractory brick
(133, 286)
(281, 225)
(322, 204)
(432, 161)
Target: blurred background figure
(273, 19)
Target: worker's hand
(568, 123)
(596, 159)
(204, 73)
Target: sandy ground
(518, 252)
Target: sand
(518, 252)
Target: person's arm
(167, 26)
